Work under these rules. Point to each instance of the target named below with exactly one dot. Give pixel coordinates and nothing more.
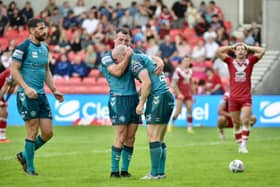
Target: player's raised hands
(30, 92)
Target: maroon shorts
(186, 97)
(238, 104)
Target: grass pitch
(80, 156)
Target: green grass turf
(80, 156)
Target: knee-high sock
(126, 157)
(245, 134)
(155, 153)
(238, 136)
(115, 159)
(29, 153)
(3, 125)
(38, 143)
(162, 159)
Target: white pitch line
(59, 154)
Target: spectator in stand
(203, 11)
(192, 14)
(3, 23)
(167, 49)
(216, 23)
(179, 9)
(56, 18)
(64, 9)
(11, 8)
(221, 35)
(214, 9)
(80, 7)
(79, 68)
(51, 6)
(16, 20)
(150, 32)
(90, 24)
(211, 45)
(62, 68)
(213, 83)
(127, 19)
(139, 46)
(118, 13)
(27, 12)
(248, 37)
(182, 46)
(165, 17)
(159, 7)
(133, 8)
(256, 33)
(6, 59)
(152, 48)
(201, 87)
(198, 68)
(150, 8)
(54, 34)
(91, 57)
(142, 15)
(86, 40)
(63, 41)
(199, 50)
(138, 35)
(201, 26)
(70, 21)
(75, 43)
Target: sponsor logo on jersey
(270, 112)
(34, 54)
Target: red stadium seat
(4, 43)
(75, 80)
(89, 81)
(174, 32)
(94, 73)
(102, 81)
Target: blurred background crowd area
(79, 35)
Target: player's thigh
(235, 116)
(120, 131)
(246, 113)
(28, 108)
(122, 110)
(131, 130)
(45, 109)
(159, 108)
(154, 131)
(222, 121)
(179, 105)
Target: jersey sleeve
(107, 61)
(176, 75)
(253, 59)
(20, 52)
(136, 67)
(228, 60)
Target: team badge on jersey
(240, 75)
(107, 60)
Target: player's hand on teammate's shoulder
(59, 96)
(30, 92)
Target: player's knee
(47, 135)
(245, 120)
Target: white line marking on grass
(74, 153)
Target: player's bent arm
(49, 80)
(259, 51)
(160, 64)
(15, 67)
(145, 85)
(221, 52)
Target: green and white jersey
(142, 61)
(123, 85)
(33, 59)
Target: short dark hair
(34, 22)
(124, 30)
